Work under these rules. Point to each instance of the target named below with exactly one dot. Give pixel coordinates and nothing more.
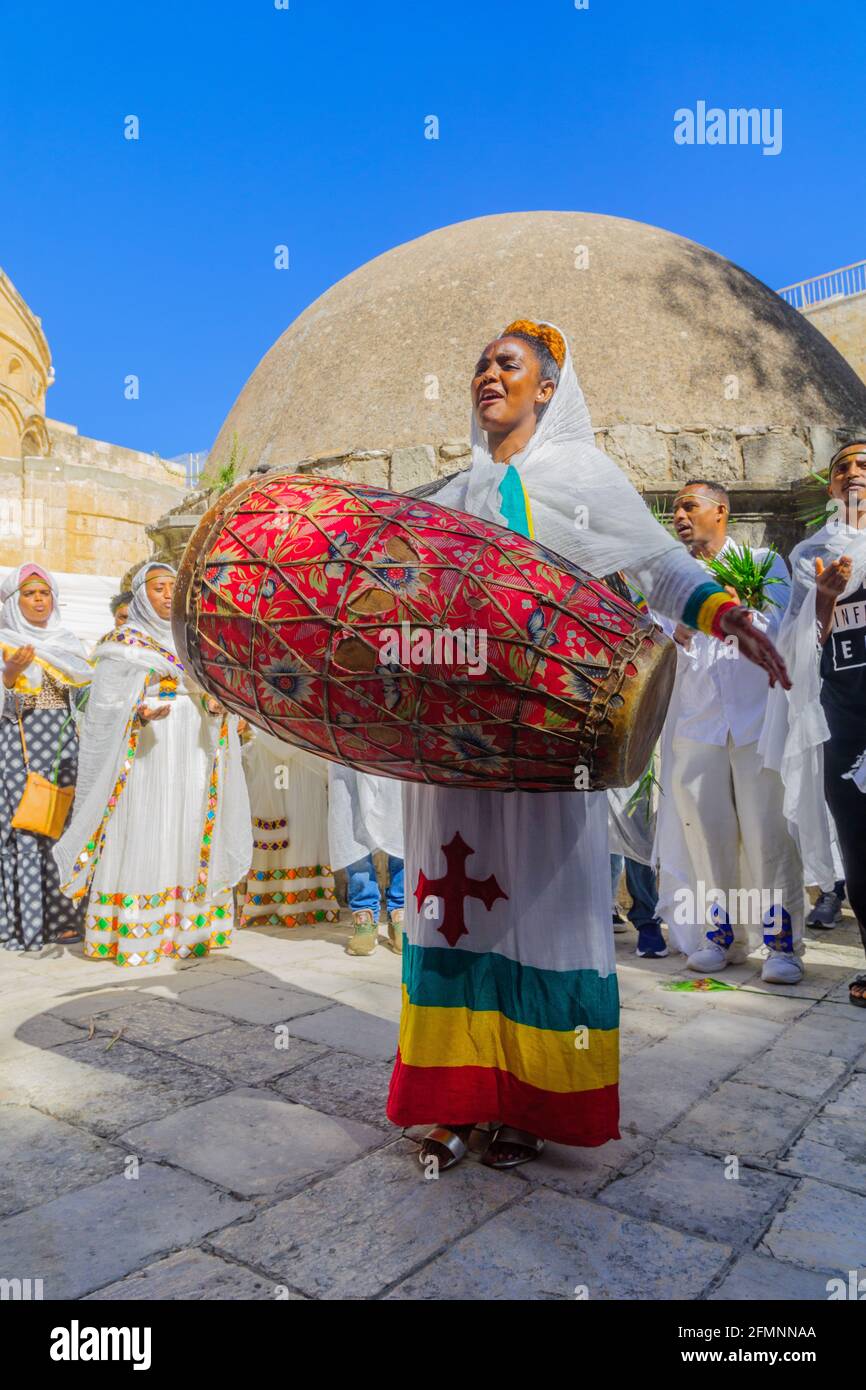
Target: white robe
(290, 882)
(365, 813)
(159, 836)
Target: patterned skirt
(33, 911)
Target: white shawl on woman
(795, 727)
(583, 505)
(126, 661)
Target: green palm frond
(643, 792)
(812, 502)
(740, 569)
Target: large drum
(412, 641)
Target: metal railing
(820, 289)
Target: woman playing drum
(511, 1018)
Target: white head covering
(143, 615)
(583, 505)
(55, 643)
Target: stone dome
(664, 332)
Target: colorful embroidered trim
(133, 637)
(210, 814)
(303, 895)
(89, 856)
(270, 844)
(269, 824)
(289, 919)
(303, 871)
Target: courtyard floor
(217, 1131)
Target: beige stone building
(835, 303)
(79, 505)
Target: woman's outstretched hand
(754, 645)
(16, 664)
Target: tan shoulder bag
(44, 807)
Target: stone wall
(844, 323)
(76, 517)
(765, 469)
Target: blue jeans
(641, 883)
(364, 886)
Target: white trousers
(730, 807)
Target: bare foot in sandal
(857, 991)
(509, 1148)
(446, 1144)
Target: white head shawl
(143, 615)
(55, 644)
(583, 505)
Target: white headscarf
(583, 505)
(55, 644)
(143, 615)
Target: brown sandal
(858, 1000)
(447, 1144)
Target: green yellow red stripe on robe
(486, 1038)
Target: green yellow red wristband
(705, 606)
(712, 612)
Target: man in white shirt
(742, 855)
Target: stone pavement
(217, 1131)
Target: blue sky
(261, 126)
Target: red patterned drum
(409, 640)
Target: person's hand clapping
(835, 578)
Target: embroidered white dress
(290, 883)
(161, 831)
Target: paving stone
(755, 1278)
(748, 1121)
(191, 1275)
(41, 1157)
(827, 1031)
(350, 1031)
(552, 1247)
(253, 1142)
(822, 1227)
(247, 1053)
(356, 1233)
(87, 1003)
(341, 1084)
(691, 1192)
(40, 1031)
(106, 1088)
(641, 1028)
(156, 1022)
(833, 1150)
(586, 1171)
(660, 1083)
(249, 1000)
(850, 1103)
(376, 1000)
(783, 1068)
(87, 1238)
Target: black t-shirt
(843, 668)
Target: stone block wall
(764, 468)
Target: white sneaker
(781, 968)
(712, 958)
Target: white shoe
(714, 958)
(781, 968)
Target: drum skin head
(408, 640)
